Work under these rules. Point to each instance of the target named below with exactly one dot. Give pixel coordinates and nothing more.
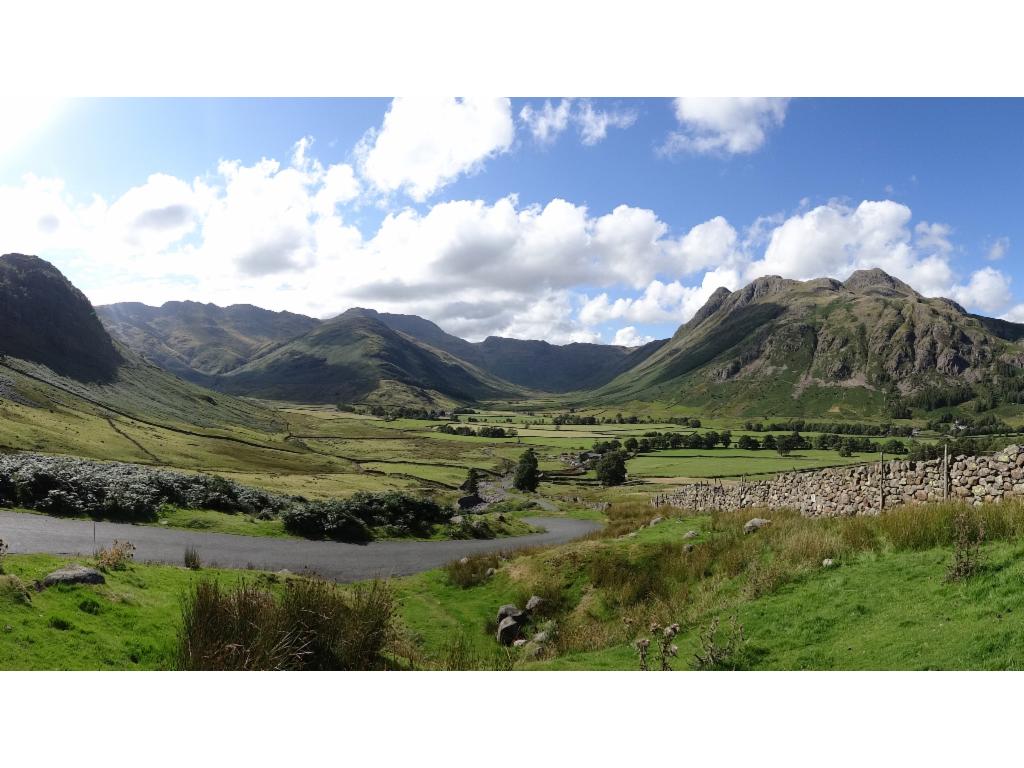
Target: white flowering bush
(63, 485)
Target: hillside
(196, 341)
(354, 358)
(46, 320)
(786, 346)
(58, 366)
(533, 364)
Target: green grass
(128, 623)
(209, 521)
(732, 462)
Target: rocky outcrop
(865, 489)
(75, 573)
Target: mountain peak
(878, 282)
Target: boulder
(534, 603)
(755, 524)
(74, 573)
(490, 572)
(508, 630)
(508, 610)
(655, 521)
(691, 535)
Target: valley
(368, 433)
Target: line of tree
(800, 425)
(482, 431)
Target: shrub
(471, 571)
(720, 649)
(192, 560)
(115, 557)
(968, 533)
(611, 469)
(13, 589)
(314, 625)
(90, 605)
(60, 623)
(355, 518)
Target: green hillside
(809, 348)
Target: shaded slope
(348, 358)
(45, 319)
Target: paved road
(344, 562)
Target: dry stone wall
(865, 489)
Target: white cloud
(729, 125)
(276, 235)
(594, 123)
(988, 290)
(628, 337)
(549, 122)
(425, 144)
(998, 249)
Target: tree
(611, 469)
(769, 443)
(631, 444)
(785, 445)
(526, 477)
(471, 485)
(725, 438)
(748, 443)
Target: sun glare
(29, 114)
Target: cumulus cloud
(425, 144)
(276, 235)
(548, 122)
(628, 337)
(724, 125)
(988, 290)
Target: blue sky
(603, 220)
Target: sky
(601, 220)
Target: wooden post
(881, 481)
(945, 470)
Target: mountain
(820, 346)
(56, 357)
(197, 341)
(45, 319)
(356, 357)
(536, 365)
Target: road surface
(26, 533)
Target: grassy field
(131, 622)
(732, 462)
(886, 603)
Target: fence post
(881, 481)
(945, 470)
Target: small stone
(691, 535)
(655, 521)
(827, 562)
(519, 643)
(535, 602)
(464, 561)
(755, 524)
(489, 572)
